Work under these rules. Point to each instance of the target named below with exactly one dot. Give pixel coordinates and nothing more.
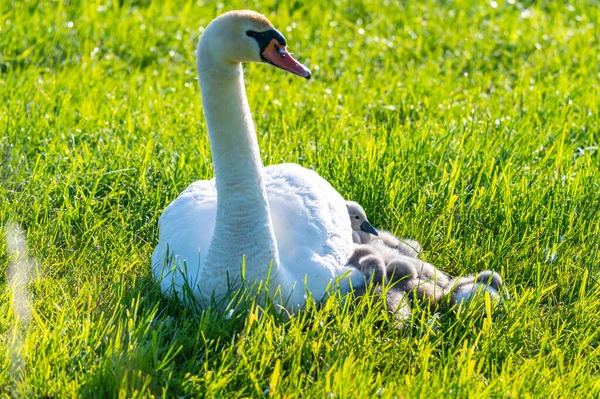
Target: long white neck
(243, 223)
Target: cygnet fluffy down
(366, 259)
(400, 266)
(421, 281)
(396, 301)
(382, 258)
(464, 289)
(405, 246)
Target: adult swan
(284, 219)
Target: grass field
(472, 126)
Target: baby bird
(363, 232)
(398, 304)
(464, 289)
(405, 246)
(361, 228)
(373, 268)
(429, 272)
(401, 271)
(382, 257)
(402, 265)
(365, 259)
(396, 301)
(421, 281)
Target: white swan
(284, 215)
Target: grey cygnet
(405, 246)
(421, 281)
(362, 231)
(464, 289)
(366, 259)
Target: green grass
(471, 128)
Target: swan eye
(251, 33)
(280, 51)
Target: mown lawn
(471, 126)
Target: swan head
(358, 218)
(247, 36)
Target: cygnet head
(358, 218)
(373, 268)
(360, 252)
(401, 269)
(247, 36)
(466, 288)
(491, 278)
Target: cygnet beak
(366, 226)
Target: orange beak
(277, 55)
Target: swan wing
(184, 232)
(312, 228)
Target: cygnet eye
(356, 217)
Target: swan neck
(233, 142)
(243, 223)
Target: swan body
(287, 223)
(310, 234)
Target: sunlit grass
(470, 126)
